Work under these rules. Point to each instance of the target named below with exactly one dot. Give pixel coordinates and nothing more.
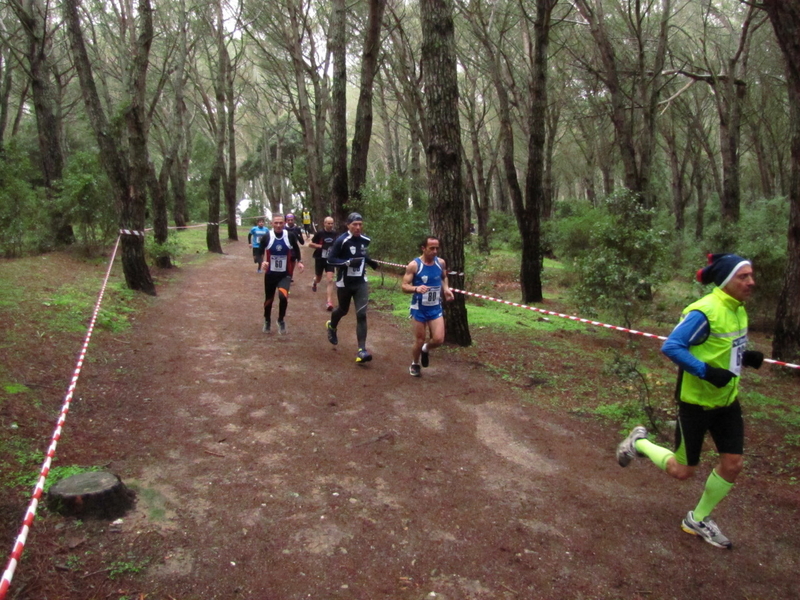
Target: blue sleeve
(691, 331)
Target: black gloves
(355, 262)
(718, 377)
(752, 358)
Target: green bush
(394, 226)
(761, 238)
(570, 232)
(504, 232)
(23, 218)
(85, 200)
(618, 254)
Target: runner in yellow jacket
(709, 347)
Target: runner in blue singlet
(278, 247)
(426, 279)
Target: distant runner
(321, 242)
(278, 265)
(349, 255)
(426, 278)
(254, 241)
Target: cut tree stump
(97, 494)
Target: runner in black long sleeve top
(349, 255)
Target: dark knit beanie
(353, 217)
(721, 268)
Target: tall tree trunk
(443, 151)
(33, 17)
(217, 171)
(6, 81)
(338, 47)
(158, 193)
(363, 125)
(785, 18)
(529, 216)
(231, 181)
(179, 170)
(312, 136)
(134, 266)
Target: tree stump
(97, 494)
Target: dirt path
(274, 467)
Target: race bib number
(324, 253)
(277, 263)
(431, 297)
(737, 351)
(355, 271)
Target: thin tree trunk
(178, 172)
(231, 181)
(338, 47)
(363, 124)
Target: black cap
(353, 217)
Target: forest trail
(275, 467)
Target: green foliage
(618, 255)
(131, 566)
(395, 227)
(85, 201)
(504, 232)
(172, 247)
(23, 218)
(762, 235)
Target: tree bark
(117, 167)
(529, 216)
(313, 129)
(231, 181)
(363, 124)
(785, 18)
(443, 151)
(338, 48)
(217, 171)
(33, 17)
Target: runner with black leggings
(349, 255)
(278, 266)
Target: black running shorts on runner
(321, 266)
(725, 425)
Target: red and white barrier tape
(596, 323)
(404, 266)
(131, 232)
(579, 319)
(141, 233)
(19, 544)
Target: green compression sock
(716, 489)
(657, 454)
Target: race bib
(277, 263)
(355, 271)
(324, 253)
(737, 351)
(431, 297)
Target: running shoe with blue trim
(706, 529)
